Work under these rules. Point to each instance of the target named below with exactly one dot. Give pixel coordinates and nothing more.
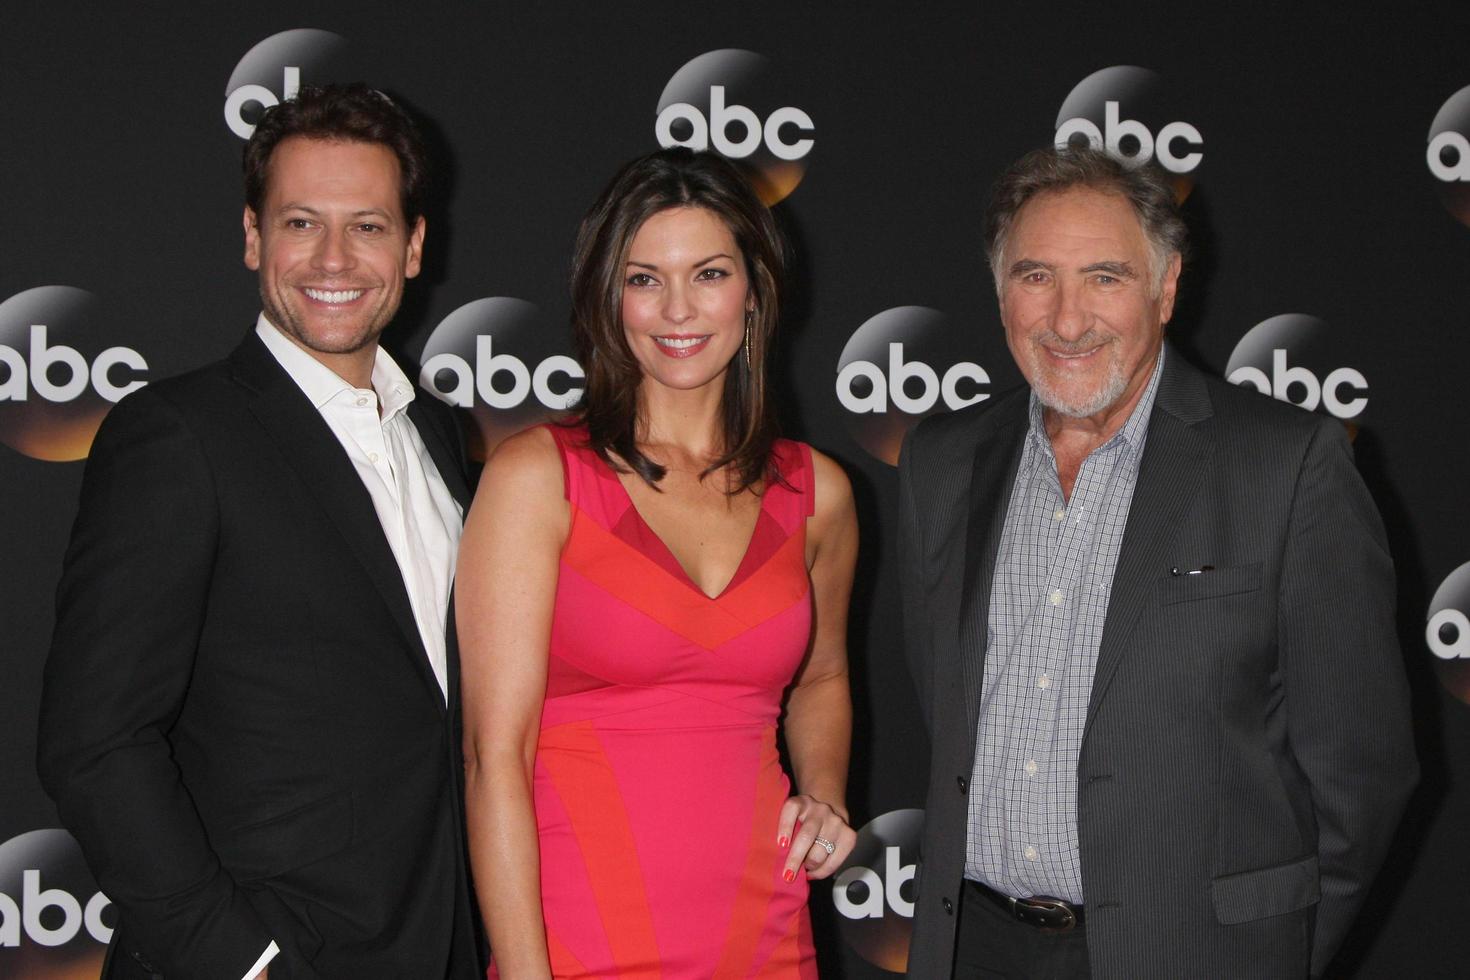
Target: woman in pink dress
(643, 593)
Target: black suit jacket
(1247, 749)
(239, 722)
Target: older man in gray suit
(1150, 616)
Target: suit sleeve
(911, 582)
(130, 607)
(1346, 695)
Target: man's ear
(415, 258)
(252, 240)
(1169, 288)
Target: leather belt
(1038, 911)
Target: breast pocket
(1210, 583)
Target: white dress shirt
(420, 518)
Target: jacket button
(964, 784)
(948, 906)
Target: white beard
(1087, 404)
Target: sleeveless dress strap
(793, 497)
(591, 485)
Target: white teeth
(334, 295)
(679, 343)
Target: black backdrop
(1314, 196)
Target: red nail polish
(789, 875)
(783, 841)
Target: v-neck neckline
(673, 559)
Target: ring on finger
(826, 845)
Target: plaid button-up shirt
(1048, 602)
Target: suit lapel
(450, 463)
(997, 456)
(1175, 459)
(313, 452)
(436, 441)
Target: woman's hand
(817, 834)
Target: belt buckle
(1045, 912)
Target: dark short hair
(1146, 188)
(674, 178)
(351, 113)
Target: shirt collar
(1134, 430)
(321, 384)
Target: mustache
(1081, 345)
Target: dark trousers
(992, 944)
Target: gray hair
(1053, 169)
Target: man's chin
(1076, 404)
(334, 338)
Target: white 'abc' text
(262, 96)
(1115, 130)
(1455, 644)
(34, 900)
(895, 874)
(891, 386)
(43, 358)
(1326, 392)
(715, 130)
(488, 364)
(1447, 172)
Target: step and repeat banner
(1323, 160)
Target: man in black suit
(1150, 615)
(251, 708)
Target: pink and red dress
(657, 783)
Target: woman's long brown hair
(674, 178)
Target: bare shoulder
(527, 460)
(830, 483)
(523, 477)
(833, 508)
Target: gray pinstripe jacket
(1247, 751)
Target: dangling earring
(749, 318)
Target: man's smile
(332, 296)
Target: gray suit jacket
(1248, 749)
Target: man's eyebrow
(1024, 266)
(1122, 270)
(316, 212)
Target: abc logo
(58, 375)
(1095, 110)
(496, 358)
(1289, 357)
(888, 381)
(723, 100)
(1448, 154)
(53, 920)
(1447, 632)
(279, 59)
(874, 891)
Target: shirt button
(1031, 853)
(361, 402)
(1044, 681)
(372, 457)
(1056, 597)
(1059, 513)
(1031, 767)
